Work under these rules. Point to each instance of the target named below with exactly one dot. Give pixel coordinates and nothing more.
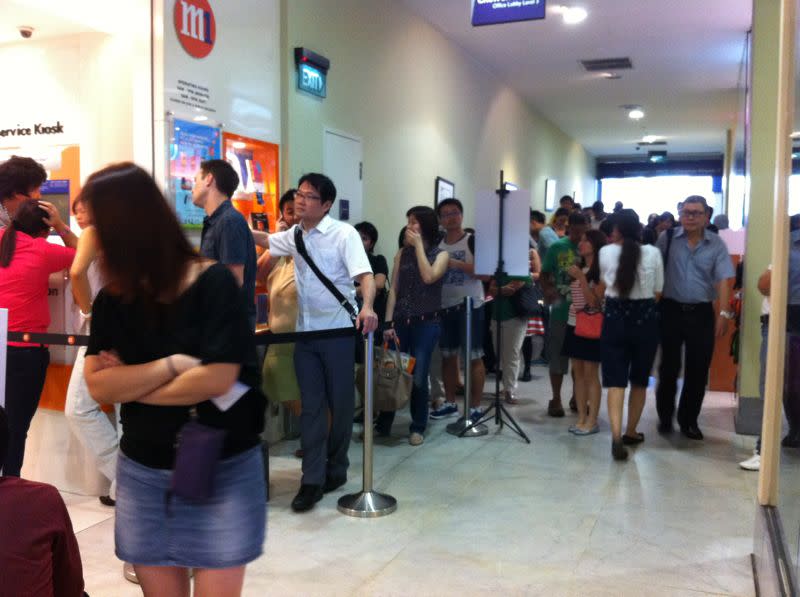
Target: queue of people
(172, 346)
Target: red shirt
(39, 554)
(24, 283)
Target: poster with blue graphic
(492, 12)
(190, 144)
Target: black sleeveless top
(414, 297)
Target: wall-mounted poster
(256, 163)
(190, 144)
(57, 193)
(444, 190)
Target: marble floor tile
(496, 515)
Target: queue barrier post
(367, 503)
(464, 426)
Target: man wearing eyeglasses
(696, 272)
(324, 366)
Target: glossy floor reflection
(493, 514)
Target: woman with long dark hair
(416, 289)
(26, 261)
(169, 338)
(633, 275)
(587, 292)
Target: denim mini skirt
(226, 531)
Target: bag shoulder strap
(340, 298)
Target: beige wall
(422, 107)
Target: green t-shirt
(504, 303)
(560, 256)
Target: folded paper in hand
(230, 397)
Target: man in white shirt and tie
(324, 367)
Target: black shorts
(584, 349)
(629, 341)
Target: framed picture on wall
(549, 194)
(444, 190)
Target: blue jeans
(418, 339)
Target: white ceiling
(57, 18)
(686, 58)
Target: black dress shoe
(526, 375)
(692, 432)
(306, 497)
(332, 484)
(107, 500)
(665, 427)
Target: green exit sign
(311, 80)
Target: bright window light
(657, 194)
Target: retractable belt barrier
(261, 339)
(367, 503)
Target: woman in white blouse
(634, 277)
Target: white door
(342, 163)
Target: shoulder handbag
(199, 449)
(527, 301)
(393, 383)
(342, 300)
(589, 324)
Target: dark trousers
(691, 326)
(26, 369)
(324, 371)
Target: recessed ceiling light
(573, 15)
(636, 114)
(650, 138)
(610, 76)
(200, 118)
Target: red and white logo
(195, 26)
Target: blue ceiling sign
(492, 12)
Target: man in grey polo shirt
(696, 271)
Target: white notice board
(516, 233)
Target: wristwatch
(727, 314)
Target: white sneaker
(751, 464)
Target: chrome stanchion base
(464, 428)
(367, 504)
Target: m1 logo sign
(195, 26)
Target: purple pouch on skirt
(196, 458)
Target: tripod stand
(501, 415)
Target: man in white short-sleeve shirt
(324, 367)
